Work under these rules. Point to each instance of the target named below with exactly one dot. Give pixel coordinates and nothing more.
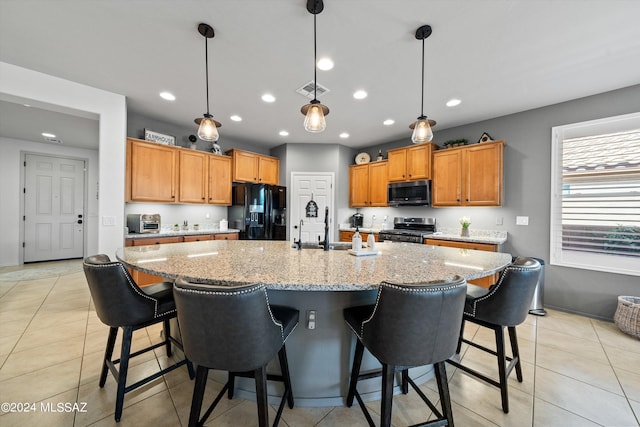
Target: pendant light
(314, 111)
(422, 127)
(208, 128)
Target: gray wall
(527, 183)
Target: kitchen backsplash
(206, 216)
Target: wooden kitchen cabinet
(198, 238)
(192, 176)
(151, 172)
(144, 241)
(486, 281)
(368, 184)
(410, 163)
(346, 236)
(225, 236)
(219, 184)
(468, 176)
(253, 167)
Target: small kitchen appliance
(143, 223)
(357, 220)
(406, 229)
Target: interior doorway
(54, 207)
(308, 187)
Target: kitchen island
(313, 279)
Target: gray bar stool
(234, 329)
(410, 325)
(120, 303)
(504, 305)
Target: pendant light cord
(315, 47)
(422, 99)
(206, 67)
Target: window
(595, 195)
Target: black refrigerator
(259, 211)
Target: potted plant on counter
(465, 222)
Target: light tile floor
(577, 371)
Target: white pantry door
(53, 208)
(305, 185)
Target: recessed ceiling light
(284, 133)
(236, 118)
(267, 97)
(168, 96)
(360, 94)
(388, 122)
(48, 135)
(453, 102)
(27, 105)
(325, 64)
(344, 135)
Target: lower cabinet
(485, 282)
(225, 236)
(346, 236)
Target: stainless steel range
(412, 230)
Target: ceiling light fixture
(284, 133)
(325, 64)
(236, 118)
(48, 135)
(360, 94)
(208, 128)
(267, 97)
(168, 96)
(453, 102)
(388, 122)
(344, 135)
(422, 126)
(315, 112)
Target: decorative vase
(464, 232)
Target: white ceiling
(497, 56)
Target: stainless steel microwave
(413, 193)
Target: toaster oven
(143, 223)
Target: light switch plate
(522, 220)
(108, 220)
(498, 220)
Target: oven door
(392, 237)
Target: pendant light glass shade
(422, 131)
(314, 112)
(208, 131)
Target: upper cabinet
(368, 184)
(151, 172)
(410, 163)
(468, 176)
(253, 167)
(168, 174)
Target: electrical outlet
(522, 220)
(498, 220)
(311, 319)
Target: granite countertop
(362, 229)
(475, 236)
(177, 233)
(276, 264)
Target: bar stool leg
(261, 396)
(460, 337)
(231, 380)
(108, 353)
(443, 390)
(388, 372)
(502, 370)
(355, 371)
(515, 352)
(198, 395)
(284, 369)
(124, 367)
(405, 381)
(167, 334)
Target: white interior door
(305, 186)
(53, 208)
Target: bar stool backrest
(230, 328)
(508, 301)
(116, 296)
(415, 324)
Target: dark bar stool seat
(120, 303)
(410, 325)
(234, 329)
(504, 305)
